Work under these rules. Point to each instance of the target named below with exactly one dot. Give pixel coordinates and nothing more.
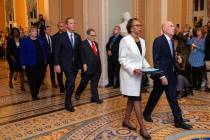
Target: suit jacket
(130, 59)
(207, 48)
(88, 57)
(47, 44)
(12, 50)
(66, 55)
(162, 58)
(28, 51)
(114, 47)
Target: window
(198, 5)
(201, 5)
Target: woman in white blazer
(132, 59)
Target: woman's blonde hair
(32, 28)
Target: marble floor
(46, 119)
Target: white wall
(116, 8)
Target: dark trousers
(110, 70)
(197, 73)
(170, 91)
(113, 71)
(85, 78)
(60, 80)
(51, 65)
(71, 76)
(35, 75)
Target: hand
(109, 53)
(58, 68)
(137, 72)
(85, 67)
(23, 67)
(194, 46)
(179, 59)
(164, 81)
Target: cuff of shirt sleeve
(162, 77)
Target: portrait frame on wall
(9, 14)
(32, 11)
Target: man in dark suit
(61, 29)
(67, 58)
(112, 48)
(48, 39)
(91, 63)
(164, 60)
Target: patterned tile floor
(45, 119)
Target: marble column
(98, 21)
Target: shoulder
(77, 35)
(57, 34)
(159, 39)
(120, 36)
(25, 39)
(10, 39)
(126, 38)
(142, 40)
(84, 42)
(63, 34)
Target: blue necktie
(113, 40)
(72, 40)
(171, 47)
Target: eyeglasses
(138, 25)
(93, 35)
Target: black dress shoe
(54, 85)
(62, 90)
(70, 109)
(116, 86)
(146, 137)
(77, 97)
(99, 101)
(207, 89)
(35, 98)
(128, 126)
(148, 118)
(108, 85)
(183, 126)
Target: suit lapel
(133, 45)
(90, 48)
(68, 40)
(167, 46)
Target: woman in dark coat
(13, 53)
(33, 57)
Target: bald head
(61, 26)
(168, 28)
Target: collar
(46, 35)
(70, 33)
(167, 37)
(90, 42)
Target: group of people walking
(67, 53)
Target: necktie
(72, 39)
(112, 42)
(49, 43)
(171, 47)
(94, 48)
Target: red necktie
(94, 48)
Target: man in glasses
(91, 66)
